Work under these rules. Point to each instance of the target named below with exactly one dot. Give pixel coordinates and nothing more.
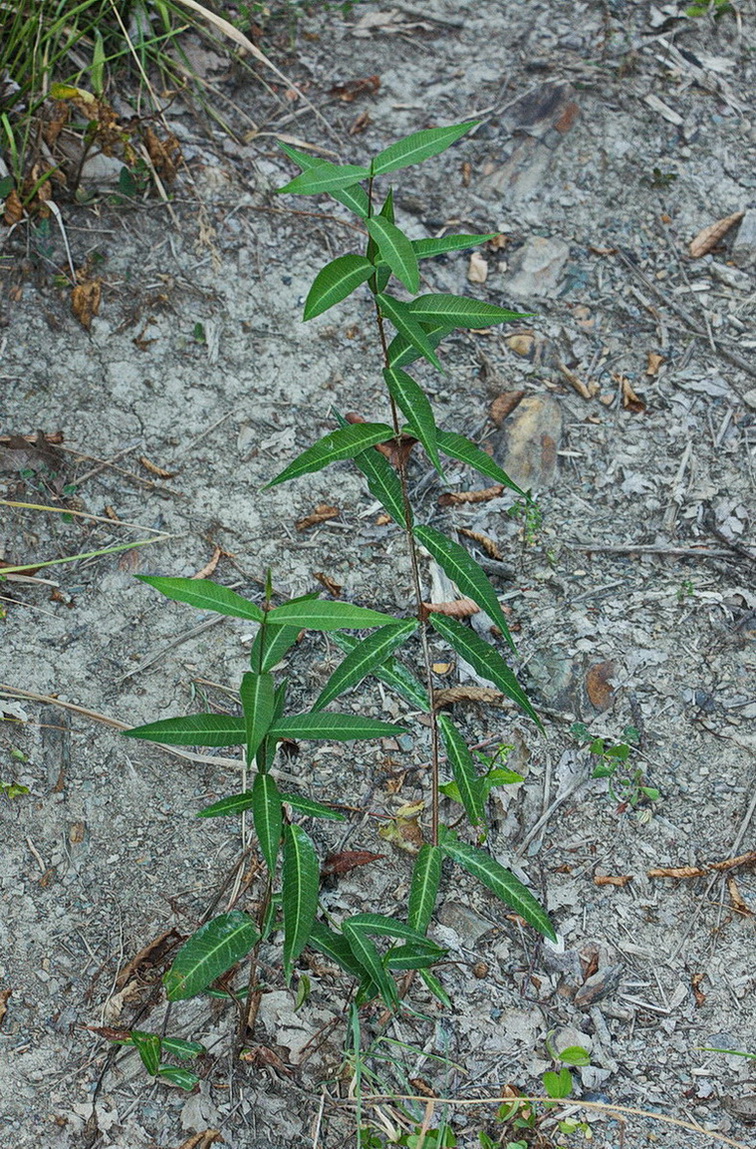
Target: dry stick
(80, 515)
(374, 1099)
(650, 549)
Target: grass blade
(324, 177)
(342, 444)
(469, 784)
(210, 952)
(299, 878)
(426, 877)
(193, 730)
(484, 659)
(418, 147)
(396, 251)
(500, 881)
(460, 447)
(463, 570)
(416, 408)
(205, 595)
(268, 817)
(408, 326)
(317, 614)
(334, 727)
(426, 248)
(363, 659)
(461, 311)
(257, 692)
(335, 282)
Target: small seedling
(530, 515)
(715, 8)
(685, 590)
(11, 790)
(625, 781)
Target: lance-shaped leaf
(435, 987)
(425, 248)
(148, 1046)
(342, 444)
(322, 614)
(460, 447)
(418, 147)
(401, 352)
(382, 479)
(311, 808)
(393, 673)
(408, 326)
(355, 198)
(270, 645)
(299, 897)
(396, 251)
(417, 409)
(177, 1075)
(382, 925)
(256, 692)
(500, 881)
(364, 658)
(234, 804)
(210, 952)
(367, 955)
(205, 595)
(469, 784)
(336, 947)
(413, 956)
(484, 659)
(333, 727)
(463, 570)
(193, 730)
(460, 311)
(325, 177)
(335, 282)
(426, 877)
(268, 817)
(267, 751)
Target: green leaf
(363, 659)
(176, 1074)
(426, 877)
(355, 198)
(234, 804)
(463, 570)
(335, 282)
(501, 882)
(299, 879)
(393, 673)
(193, 730)
(383, 483)
(320, 614)
(413, 957)
(461, 311)
(270, 645)
(418, 147)
(558, 1085)
(575, 1055)
(460, 447)
(396, 251)
(417, 409)
(387, 927)
(342, 444)
(268, 817)
(484, 659)
(180, 1048)
(325, 177)
(256, 692)
(336, 947)
(409, 327)
(148, 1046)
(334, 727)
(366, 954)
(425, 248)
(463, 767)
(312, 808)
(208, 953)
(435, 987)
(206, 595)
(401, 352)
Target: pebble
(744, 247)
(536, 268)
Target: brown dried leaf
(708, 239)
(150, 956)
(130, 560)
(607, 880)
(677, 872)
(325, 580)
(165, 154)
(360, 124)
(503, 405)
(459, 608)
(350, 89)
(397, 451)
(14, 209)
(653, 363)
(109, 1032)
(155, 470)
(77, 832)
(695, 983)
(455, 694)
(738, 902)
(748, 859)
(322, 513)
(209, 567)
(29, 453)
(489, 546)
(404, 833)
(477, 271)
(587, 390)
(466, 174)
(383, 519)
(597, 684)
(85, 301)
(348, 860)
(39, 437)
(260, 1055)
(202, 1140)
(458, 498)
(630, 401)
(523, 344)
(4, 995)
(442, 667)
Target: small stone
(537, 267)
(527, 446)
(467, 925)
(744, 247)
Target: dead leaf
(748, 859)
(29, 453)
(39, 437)
(325, 580)
(442, 667)
(322, 513)
(597, 684)
(149, 957)
(607, 880)
(677, 872)
(738, 902)
(85, 301)
(456, 694)
(630, 401)
(459, 608)
(503, 405)
(14, 209)
(477, 271)
(130, 560)
(350, 89)
(488, 544)
(653, 363)
(383, 519)
(260, 1055)
(202, 1140)
(698, 993)
(466, 174)
(4, 995)
(458, 498)
(155, 470)
(523, 344)
(209, 567)
(403, 832)
(165, 154)
(77, 833)
(708, 239)
(587, 390)
(348, 860)
(360, 124)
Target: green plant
(520, 1115)
(530, 515)
(151, 1047)
(715, 8)
(625, 780)
(685, 590)
(381, 452)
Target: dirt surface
(611, 135)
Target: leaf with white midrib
(417, 409)
(460, 447)
(366, 954)
(418, 146)
(334, 282)
(461, 310)
(469, 785)
(322, 614)
(205, 595)
(426, 876)
(408, 326)
(363, 659)
(396, 251)
(334, 727)
(299, 898)
(337, 445)
(208, 953)
(268, 817)
(256, 692)
(193, 730)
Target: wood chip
(4, 995)
(708, 239)
(586, 390)
(608, 880)
(477, 271)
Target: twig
(153, 658)
(649, 549)
(80, 515)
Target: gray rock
(526, 447)
(744, 247)
(537, 266)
